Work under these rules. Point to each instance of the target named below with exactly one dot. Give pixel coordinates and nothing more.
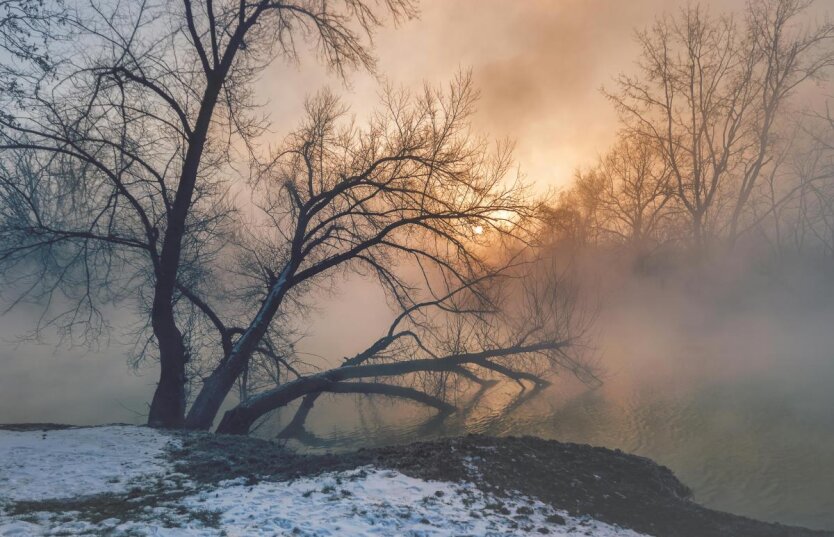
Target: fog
(721, 370)
(723, 374)
(539, 67)
(559, 121)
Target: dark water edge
(732, 389)
(749, 448)
(609, 485)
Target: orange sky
(539, 65)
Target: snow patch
(368, 501)
(42, 465)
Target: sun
(478, 230)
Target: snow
(370, 501)
(366, 501)
(41, 465)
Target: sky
(539, 65)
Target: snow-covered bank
(69, 481)
(370, 501)
(65, 463)
(129, 481)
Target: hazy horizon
(666, 334)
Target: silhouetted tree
(25, 26)
(127, 140)
(414, 185)
(638, 192)
(117, 169)
(709, 92)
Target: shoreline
(580, 481)
(627, 490)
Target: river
(736, 401)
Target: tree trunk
(168, 405)
(240, 419)
(221, 381)
(210, 398)
(698, 232)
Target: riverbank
(125, 480)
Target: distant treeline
(725, 139)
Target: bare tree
(803, 201)
(626, 197)
(436, 349)
(127, 142)
(577, 216)
(25, 26)
(416, 187)
(792, 208)
(709, 93)
(787, 54)
(637, 192)
(688, 99)
(115, 177)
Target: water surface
(739, 406)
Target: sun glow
(478, 230)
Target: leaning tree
(411, 190)
(134, 170)
(127, 133)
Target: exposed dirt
(611, 486)
(24, 427)
(209, 458)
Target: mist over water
(724, 375)
(722, 370)
(46, 379)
